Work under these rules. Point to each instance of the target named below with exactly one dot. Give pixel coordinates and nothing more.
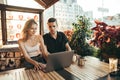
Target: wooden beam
(41, 3)
(46, 3)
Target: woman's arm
(26, 56)
(43, 47)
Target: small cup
(1, 44)
(81, 61)
(113, 62)
(74, 59)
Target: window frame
(4, 8)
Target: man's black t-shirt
(55, 45)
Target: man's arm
(68, 48)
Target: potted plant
(107, 39)
(81, 32)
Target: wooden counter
(92, 70)
(10, 56)
(9, 48)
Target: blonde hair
(27, 26)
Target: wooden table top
(92, 70)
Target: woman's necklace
(32, 41)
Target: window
(13, 19)
(15, 23)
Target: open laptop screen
(59, 60)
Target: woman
(32, 46)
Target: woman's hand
(39, 66)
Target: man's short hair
(52, 20)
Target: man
(55, 41)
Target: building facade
(65, 11)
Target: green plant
(81, 34)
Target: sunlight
(111, 7)
(25, 3)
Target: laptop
(59, 60)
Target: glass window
(15, 23)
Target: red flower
(68, 34)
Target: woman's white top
(33, 50)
